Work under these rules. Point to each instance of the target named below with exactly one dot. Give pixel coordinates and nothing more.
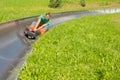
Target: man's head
(48, 15)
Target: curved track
(14, 46)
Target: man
(42, 24)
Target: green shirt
(43, 20)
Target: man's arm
(38, 22)
(46, 24)
(42, 26)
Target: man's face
(47, 17)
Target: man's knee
(34, 23)
(46, 28)
(32, 26)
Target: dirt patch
(115, 5)
(92, 5)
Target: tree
(83, 3)
(55, 3)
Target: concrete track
(14, 46)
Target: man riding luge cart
(39, 27)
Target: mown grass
(87, 48)
(12, 9)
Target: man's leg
(46, 28)
(43, 30)
(32, 26)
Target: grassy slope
(87, 48)
(12, 9)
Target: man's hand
(37, 29)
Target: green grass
(87, 48)
(12, 9)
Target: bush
(82, 3)
(55, 3)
